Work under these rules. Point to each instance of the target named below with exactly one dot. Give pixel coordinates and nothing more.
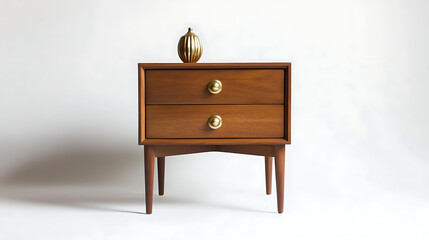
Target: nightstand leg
(268, 173)
(161, 175)
(149, 164)
(280, 175)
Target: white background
(357, 168)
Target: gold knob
(214, 121)
(214, 86)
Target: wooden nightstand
(229, 107)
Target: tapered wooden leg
(268, 173)
(149, 164)
(161, 174)
(280, 175)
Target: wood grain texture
(252, 150)
(280, 176)
(288, 103)
(149, 165)
(239, 86)
(252, 65)
(171, 150)
(161, 175)
(286, 67)
(190, 121)
(141, 106)
(254, 105)
(268, 174)
(214, 141)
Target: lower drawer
(238, 121)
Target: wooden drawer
(238, 121)
(239, 86)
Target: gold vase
(189, 47)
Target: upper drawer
(239, 86)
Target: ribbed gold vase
(189, 47)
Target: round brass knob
(214, 121)
(214, 86)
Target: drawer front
(238, 121)
(239, 86)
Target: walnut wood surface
(190, 121)
(252, 150)
(214, 141)
(239, 86)
(256, 115)
(288, 103)
(149, 165)
(285, 67)
(280, 176)
(278, 151)
(141, 106)
(252, 65)
(171, 150)
(161, 174)
(268, 174)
